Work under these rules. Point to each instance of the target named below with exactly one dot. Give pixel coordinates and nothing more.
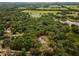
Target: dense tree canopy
(22, 32)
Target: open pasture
(41, 11)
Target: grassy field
(41, 11)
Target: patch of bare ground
(44, 41)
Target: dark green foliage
(23, 42)
(75, 29)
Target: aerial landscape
(39, 29)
